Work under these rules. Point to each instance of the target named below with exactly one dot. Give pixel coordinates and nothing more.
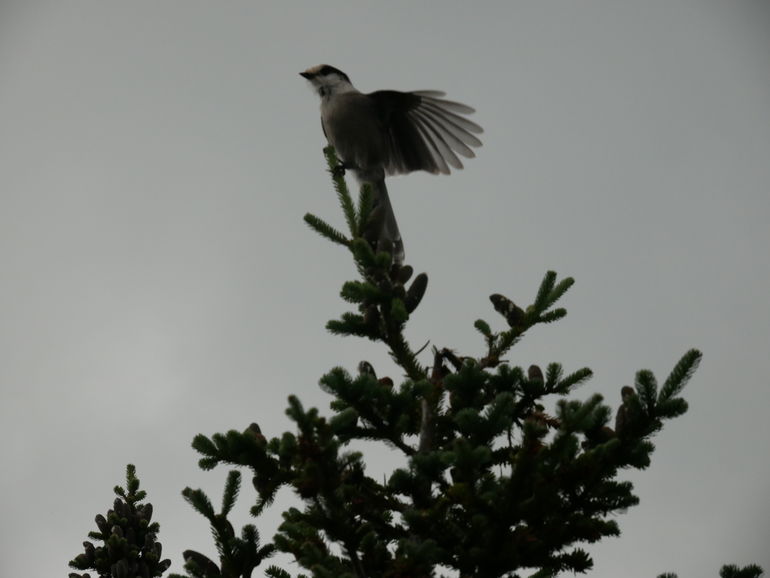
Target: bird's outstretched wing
(425, 132)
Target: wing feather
(463, 123)
(424, 131)
(442, 154)
(435, 95)
(445, 127)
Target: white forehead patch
(314, 69)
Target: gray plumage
(389, 133)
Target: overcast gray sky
(156, 159)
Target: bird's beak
(307, 75)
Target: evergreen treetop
(492, 484)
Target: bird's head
(327, 80)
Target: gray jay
(389, 133)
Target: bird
(389, 132)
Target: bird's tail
(383, 228)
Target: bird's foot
(339, 170)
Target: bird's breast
(353, 127)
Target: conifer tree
(130, 547)
(731, 571)
(492, 483)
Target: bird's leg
(339, 170)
